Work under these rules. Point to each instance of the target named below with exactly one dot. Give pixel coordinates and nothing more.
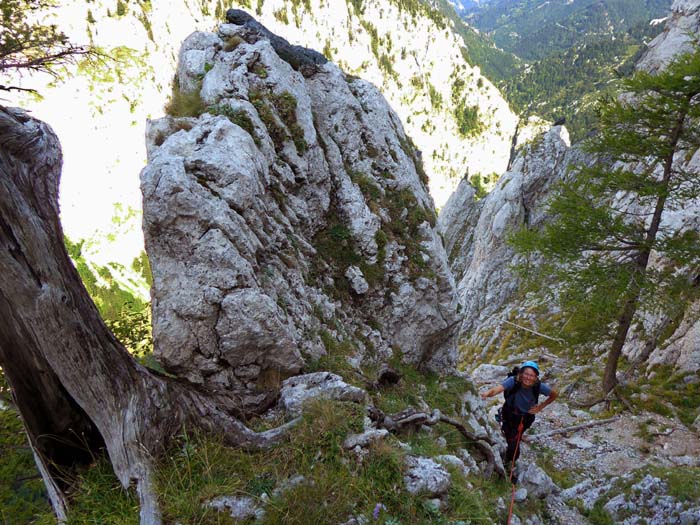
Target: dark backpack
(509, 395)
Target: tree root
(412, 419)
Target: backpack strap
(509, 395)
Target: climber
(521, 392)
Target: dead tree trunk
(76, 387)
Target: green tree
(27, 45)
(607, 218)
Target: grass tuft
(184, 104)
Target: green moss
(368, 187)
(596, 515)
(435, 97)
(286, 105)
(276, 132)
(232, 42)
(336, 358)
(122, 8)
(669, 394)
(683, 483)
(328, 50)
(335, 246)
(239, 117)
(545, 459)
(260, 70)
(381, 239)
(410, 149)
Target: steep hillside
(497, 318)
(534, 29)
(292, 239)
(567, 83)
(455, 116)
(496, 64)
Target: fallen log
(574, 428)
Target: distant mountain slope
(497, 65)
(534, 29)
(569, 82)
(572, 51)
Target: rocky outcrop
(475, 234)
(677, 37)
(475, 231)
(681, 346)
(289, 222)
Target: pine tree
(607, 218)
(28, 45)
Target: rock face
(676, 38)
(682, 347)
(475, 232)
(288, 222)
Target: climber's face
(528, 377)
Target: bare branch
(574, 428)
(535, 332)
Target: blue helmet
(532, 365)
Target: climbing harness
(512, 468)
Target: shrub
(183, 103)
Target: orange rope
(512, 468)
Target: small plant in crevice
(239, 117)
(184, 103)
(284, 104)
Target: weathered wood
(412, 419)
(540, 334)
(574, 428)
(76, 387)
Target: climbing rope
(512, 468)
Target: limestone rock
(648, 499)
(676, 38)
(424, 476)
(476, 243)
(536, 481)
(365, 439)
(320, 385)
(449, 459)
(489, 374)
(288, 220)
(521, 495)
(240, 508)
(357, 280)
(579, 442)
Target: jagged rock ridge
(290, 221)
(475, 231)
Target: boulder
(320, 385)
(537, 482)
(426, 477)
(288, 220)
